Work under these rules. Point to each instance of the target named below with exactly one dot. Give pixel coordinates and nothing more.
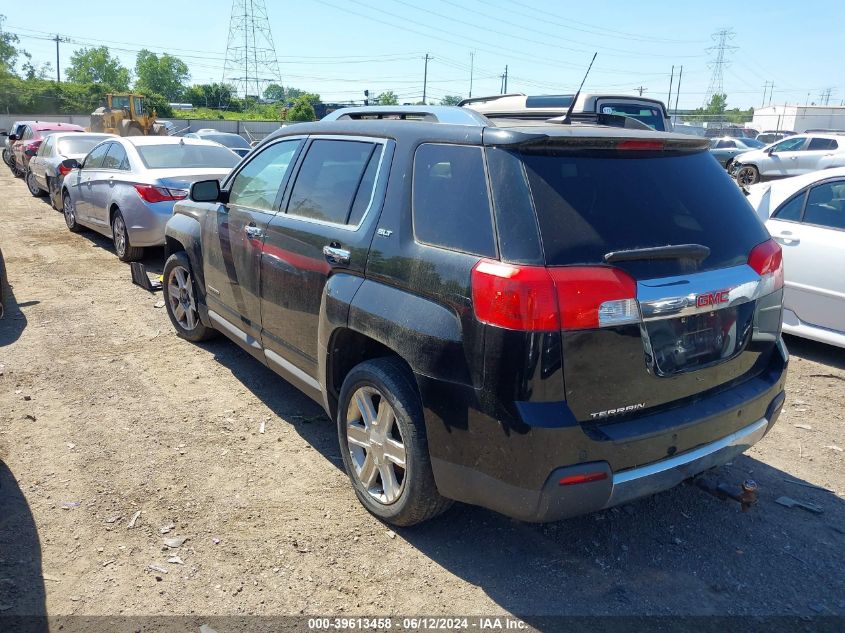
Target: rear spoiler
(503, 137)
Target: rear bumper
(725, 426)
(555, 501)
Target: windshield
(753, 143)
(229, 140)
(78, 145)
(118, 103)
(589, 204)
(651, 116)
(176, 155)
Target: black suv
(543, 319)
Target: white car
(806, 215)
(792, 156)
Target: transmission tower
(251, 61)
(720, 50)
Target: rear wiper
(696, 252)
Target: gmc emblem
(712, 298)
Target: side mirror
(208, 191)
(13, 137)
(30, 152)
(70, 163)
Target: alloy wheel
(119, 235)
(180, 295)
(376, 445)
(34, 189)
(69, 211)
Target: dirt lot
(105, 413)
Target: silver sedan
(126, 187)
(46, 171)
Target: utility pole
(57, 40)
(640, 90)
(765, 88)
(771, 91)
(425, 76)
(506, 80)
(471, 70)
(671, 80)
(678, 89)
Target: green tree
(9, 50)
(302, 110)
(451, 100)
(165, 75)
(285, 94)
(97, 66)
(718, 104)
(215, 95)
(387, 98)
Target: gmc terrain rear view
(545, 319)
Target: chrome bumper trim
(667, 473)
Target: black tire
(69, 211)
(16, 171)
(199, 332)
(120, 238)
(747, 175)
(419, 499)
(32, 185)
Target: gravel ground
(108, 420)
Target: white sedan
(806, 215)
(793, 156)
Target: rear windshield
(176, 155)
(651, 116)
(79, 145)
(229, 140)
(590, 204)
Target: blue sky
(338, 48)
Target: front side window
(791, 210)
(330, 178)
(826, 205)
(790, 144)
(94, 160)
(257, 184)
(451, 201)
(116, 158)
(46, 147)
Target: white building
(798, 118)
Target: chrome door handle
(253, 232)
(111, 181)
(336, 255)
(787, 238)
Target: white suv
(792, 156)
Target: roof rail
(464, 102)
(431, 114)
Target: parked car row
(795, 155)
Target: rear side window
(328, 182)
(451, 200)
(826, 206)
(187, 155)
(821, 143)
(590, 204)
(791, 211)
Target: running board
(141, 278)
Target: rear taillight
(595, 296)
(534, 298)
(767, 260)
(64, 170)
(32, 147)
(151, 193)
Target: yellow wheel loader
(125, 115)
